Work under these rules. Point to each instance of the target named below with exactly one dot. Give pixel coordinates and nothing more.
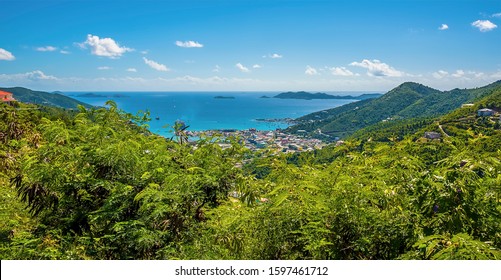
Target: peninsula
(319, 95)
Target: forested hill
(44, 98)
(409, 100)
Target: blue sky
(248, 45)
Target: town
(260, 139)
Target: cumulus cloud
(256, 66)
(377, 68)
(36, 75)
(341, 71)
(443, 27)
(103, 68)
(484, 25)
(440, 74)
(64, 52)
(104, 47)
(242, 68)
(216, 68)
(6, 55)
(310, 71)
(189, 44)
(276, 55)
(131, 70)
(46, 49)
(155, 65)
(458, 74)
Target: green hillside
(95, 184)
(44, 98)
(409, 100)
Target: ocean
(202, 111)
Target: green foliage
(96, 184)
(457, 247)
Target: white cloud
(103, 68)
(131, 70)
(39, 75)
(310, 71)
(496, 75)
(440, 74)
(242, 68)
(6, 55)
(443, 27)
(496, 15)
(484, 25)
(46, 49)
(275, 55)
(256, 66)
(189, 44)
(144, 52)
(33, 76)
(155, 65)
(341, 71)
(216, 68)
(104, 47)
(64, 52)
(458, 74)
(477, 74)
(378, 68)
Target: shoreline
(254, 139)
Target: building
(466, 105)
(6, 96)
(432, 135)
(485, 112)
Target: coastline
(202, 112)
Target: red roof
(6, 96)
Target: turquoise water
(201, 111)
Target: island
(319, 95)
(95, 95)
(224, 97)
(90, 95)
(264, 96)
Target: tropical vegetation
(94, 183)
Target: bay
(202, 111)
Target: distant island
(94, 95)
(319, 95)
(224, 97)
(264, 96)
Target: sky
(272, 45)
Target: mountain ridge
(44, 98)
(408, 100)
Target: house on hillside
(485, 112)
(432, 135)
(6, 96)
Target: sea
(211, 110)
